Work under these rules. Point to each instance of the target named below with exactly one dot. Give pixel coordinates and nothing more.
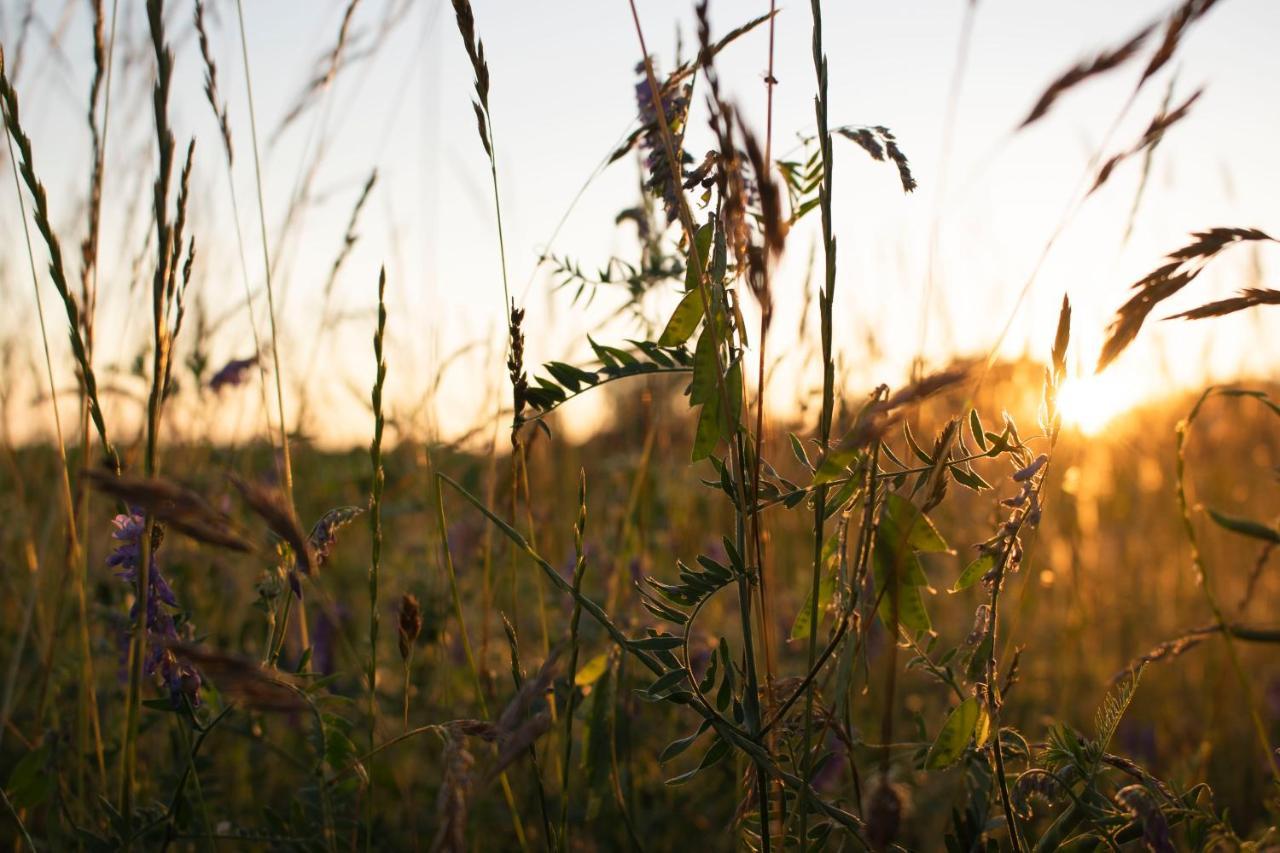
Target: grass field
(979, 607)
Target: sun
(1090, 402)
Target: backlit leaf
(973, 572)
(954, 737)
(684, 320)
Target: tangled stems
(507, 792)
(1206, 579)
(746, 742)
(751, 703)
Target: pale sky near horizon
(563, 76)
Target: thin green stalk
(220, 114)
(87, 711)
(466, 648)
(579, 569)
(22, 827)
(161, 343)
(751, 705)
(522, 453)
(408, 676)
(825, 302)
(615, 773)
(266, 262)
(625, 524)
(757, 537)
(488, 591)
(994, 699)
(190, 748)
(997, 751)
(475, 52)
(271, 305)
(375, 528)
(22, 519)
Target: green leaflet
(975, 427)
(664, 642)
(902, 514)
(692, 271)
(714, 756)
(973, 572)
(678, 747)
(833, 465)
(969, 478)
(667, 682)
(797, 448)
(890, 554)
(703, 386)
(894, 557)
(595, 737)
(592, 670)
(708, 434)
(1246, 527)
(733, 383)
(954, 737)
(30, 783)
(912, 614)
(684, 320)
(713, 423)
(827, 587)
(982, 728)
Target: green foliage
(797, 682)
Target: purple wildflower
(323, 636)
(637, 568)
(232, 373)
(826, 775)
(1024, 474)
(179, 677)
(675, 98)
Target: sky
(936, 273)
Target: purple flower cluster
(1028, 499)
(1005, 547)
(179, 677)
(675, 100)
(232, 373)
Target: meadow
(947, 612)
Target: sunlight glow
(1090, 402)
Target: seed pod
(410, 623)
(884, 815)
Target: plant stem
(751, 699)
(375, 530)
(825, 302)
(159, 370)
(266, 259)
(579, 569)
